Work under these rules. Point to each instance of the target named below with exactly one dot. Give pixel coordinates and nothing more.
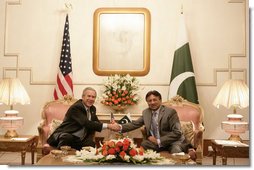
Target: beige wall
(32, 31)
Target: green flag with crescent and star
(182, 80)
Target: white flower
(110, 157)
(123, 88)
(139, 158)
(127, 158)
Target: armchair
(191, 117)
(52, 115)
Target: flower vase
(119, 109)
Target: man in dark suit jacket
(79, 124)
(162, 126)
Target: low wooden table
(227, 149)
(49, 160)
(22, 144)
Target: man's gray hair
(88, 88)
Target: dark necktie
(155, 125)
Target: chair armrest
(198, 144)
(40, 132)
(198, 137)
(143, 131)
(43, 131)
(199, 155)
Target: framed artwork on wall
(121, 41)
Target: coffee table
(50, 160)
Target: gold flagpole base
(235, 138)
(11, 134)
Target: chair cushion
(188, 131)
(53, 125)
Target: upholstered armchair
(191, 117)
(52, 115)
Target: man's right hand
(112, 121)
(115, 127)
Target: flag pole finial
(68, 7)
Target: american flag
(64, 83)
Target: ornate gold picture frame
(121, 41)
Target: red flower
(119, 144)
(104, 147)
(111, 144)
(126, 141)
(104, 152)
(125, 147)
(122, 154)
(133, 152)
(141, 150)
(117, 149)
(111, 151)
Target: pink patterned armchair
(191, 118)
(52, 114)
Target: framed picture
(121, 41)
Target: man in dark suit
(79, 124)
(162, 126)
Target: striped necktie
(155, 125)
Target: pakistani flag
(125, 119)
(182, 80)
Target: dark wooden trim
(207, 143)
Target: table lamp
(235, 94)
(12, 92)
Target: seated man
(79, 124)
(162, 127)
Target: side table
(21, 144)
(229, 148)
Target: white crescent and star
(177, 81)
(123, 121)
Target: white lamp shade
(233, 93)
(12, 92)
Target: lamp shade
(234, 93)
(12, 92)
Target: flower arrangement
(120, 150)
(120, 90)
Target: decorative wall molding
(230, 69)
(236, 1)
(6, 54)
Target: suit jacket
(76, 121)
(169, 125)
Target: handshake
(114, 126)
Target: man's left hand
(153, 139)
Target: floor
(13, 158)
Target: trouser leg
(146, 144)
(69, 140)
(175, 149)
(88, 142)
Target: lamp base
(11, 134)
(235, 138)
